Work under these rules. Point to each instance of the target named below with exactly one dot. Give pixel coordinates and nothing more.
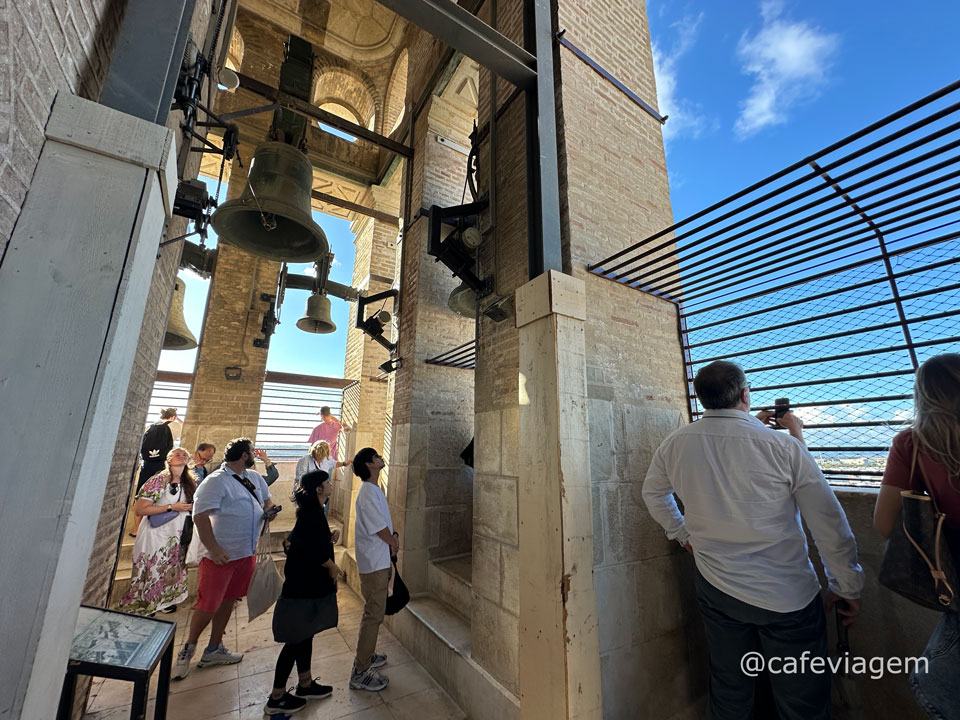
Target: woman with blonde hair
(159, 578)
(318, 459)
(930, 448)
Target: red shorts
(216, 583)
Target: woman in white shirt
(317, 459)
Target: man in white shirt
(374, 543)
(228, 514)
(744, 489)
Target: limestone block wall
(614, 177)
(44, 47)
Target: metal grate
(463, 356)
(288, 411)
(829, 281)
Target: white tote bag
(266, 582)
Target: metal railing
(829, 281)
(463, 357)
(288, 407)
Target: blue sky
(291, 350)
(751, 87)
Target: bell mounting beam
(304, 108)
(463, 31)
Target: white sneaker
(219, 656)
(181, 668)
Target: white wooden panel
(71, 288)
(103, 130)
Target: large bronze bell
(316, 319)
(272, 217)
(178, 335)
(463, 301)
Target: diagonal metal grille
(463, 357)
(829, 281)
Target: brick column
(365, 405)
(221, 409)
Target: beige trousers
(373, 586)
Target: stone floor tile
(203, 677)
(377, 712)
(396, 653)
(261, 622)
(329, 642)
(255, 688)
(259, 660)
(405, 679)
(350, 620)
(343, 703)
(433, 703)
(204, 703)
(254, 639)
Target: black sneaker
(287, 705)
(315, 691)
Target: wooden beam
(362, 209)
(305, 108)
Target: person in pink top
(328, 430)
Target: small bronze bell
(316, 318)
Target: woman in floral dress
(159, 579)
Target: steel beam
(463, 31)
(543, 182)
(146, 62)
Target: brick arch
(395, 105)
(235, 50)
(336, 82)
(342, 109)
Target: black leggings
(292, 652)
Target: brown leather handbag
(917, 561)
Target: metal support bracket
(269, 321)
(372, 325)
(450, 250)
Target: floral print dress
(158, 577)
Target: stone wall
(45, 47)
(430, 496)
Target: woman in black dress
(308, 601)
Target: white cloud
(686, 118)
(789, 61)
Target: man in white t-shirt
(374, 543)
